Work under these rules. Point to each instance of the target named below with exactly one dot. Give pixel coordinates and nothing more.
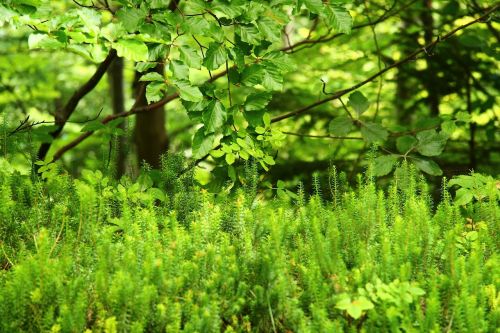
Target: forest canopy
(293, 86)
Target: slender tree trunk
(116, 86)
(430, 79)
(150, 133)
(472, 127)
(403, 91)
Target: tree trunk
(403, 91)
(472, 125)
(430, 79)
(116, 87)
(150, 133)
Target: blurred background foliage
(453, 86)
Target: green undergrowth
(161, 255)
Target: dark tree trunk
(116, 87)
(472, 126)
(430, 79)
(403, 77)
(150, 133)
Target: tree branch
(323, 136)
(408, 58)
(62, 115)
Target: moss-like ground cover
(97, 255)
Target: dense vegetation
(94, 254)
(292, 84)
(249, 166)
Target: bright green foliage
(274, 74)
(244, 36)
(162, 255)
(476, 186)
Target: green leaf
(463, 196)
(252, 75)
(93, 126)
(273, 79)
(358, 102)
(448, 127)
(113, 31)
(260, 130)
(156, 193)
(180, 70)
(214, 116)
(131, 17)
(383, 165)
(356, 307)
(91, 19)
(431, 143)
(228, 10)
(215, 32)
(231, 172)
(255, 118)
(373, 132)
(131, 49)
(190, 56)
(281, 60)
(154, 91)
(340, 126)
(249, 34)
(315, 6)
(266, 118)
(405, 143)
(216, 56)
(142, 67)
(202, 144)
(230, 158)
(270, 29)
(257, 101)
(339, 18)
(463, 181)
(463, 117)
(269, 160)
(43, 41)
(238, 57)
(428, 166)
(188, 92)
(217, 153)
(153, 76)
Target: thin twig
(324, 136)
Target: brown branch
(106, 120)
(408, 58)
(391, 134)
(63, 114)
(323, 136)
